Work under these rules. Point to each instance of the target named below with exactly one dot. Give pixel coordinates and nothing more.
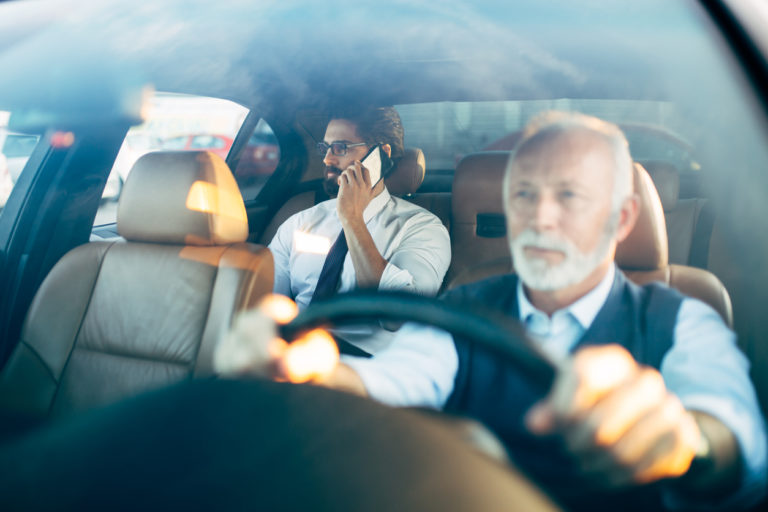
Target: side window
(174, 143)
(175, 122)
(15, 149)
(258, 160)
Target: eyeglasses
(337, 148)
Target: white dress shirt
(704, 368)
(412, 240)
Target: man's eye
(523, 194)
(567, 194)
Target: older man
(678, 422)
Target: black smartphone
(378, 164)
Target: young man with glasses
(363, 237)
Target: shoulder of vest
(488, 287)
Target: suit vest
(640, 318)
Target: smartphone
(378, 164)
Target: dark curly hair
(375, 125)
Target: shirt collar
(583, 310)
(376, 205)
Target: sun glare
(279, 308)
(313, 244)
(312, 357)
(209, 198)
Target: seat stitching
(132, 356)
(42, 361)
(193, 364)
(79, 328)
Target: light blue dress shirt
(704, 368)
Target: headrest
(477, 194)
(182, 197)
(667, 180)
(646, 246)
(408, 173)
(477, 185)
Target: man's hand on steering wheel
(253, 347)
(617, 418)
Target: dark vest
(642, 319)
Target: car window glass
(447, 131)
(258, 160)
(174, 143)
(15, 149)
(174, 122)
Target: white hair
(553, 122)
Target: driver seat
(116, 318)
(643, 256)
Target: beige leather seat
(478, 229)
(689, 221)
(115, 318)
(644, 255)
(404, 179)
(481, 250)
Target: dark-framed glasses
(337, 148)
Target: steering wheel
(500, 334)
(230, 444)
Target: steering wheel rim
(500, 334)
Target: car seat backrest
(115, 318)
(404, 179)
(480, 246)
(478, 228)
(655, 266)
(439, 203)
(689, 221)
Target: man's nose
(330, 159)
(546, 212)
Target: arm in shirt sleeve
(281, 246)
(417, 369)
(421, 259)
(708, 372)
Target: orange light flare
(313, 356)
(279, 308)
(604, 369)
(210, 198)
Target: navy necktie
(328, 281)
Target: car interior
(96, 309)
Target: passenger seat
(115, 318)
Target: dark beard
(331, 185)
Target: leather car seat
(478, 228)
(644, 255)
(480, 247)
(404, 179)
(689, 221)
(115, 318)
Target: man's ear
(387, 149)
(630, 211)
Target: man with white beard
(678, 427)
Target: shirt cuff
(416, 370)
(750, 436)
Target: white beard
(538, 274)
